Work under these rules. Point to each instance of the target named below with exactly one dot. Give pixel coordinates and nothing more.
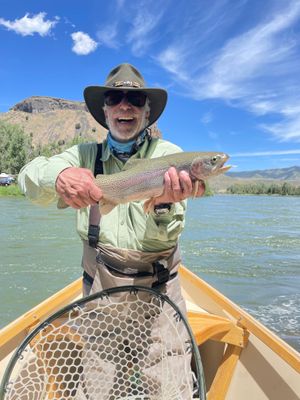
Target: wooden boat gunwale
(279, 346)
(213, 318)
(23, 324)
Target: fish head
(208, 165)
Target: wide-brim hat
(124, 77)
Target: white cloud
(27, 26)
(108, 36)
(206, 118)
(142, 33)
(251, 60)
(287, 130)
(83, 43)
(257, 69)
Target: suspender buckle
(93, 235)
(162, 273)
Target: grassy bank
(12, 190)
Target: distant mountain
(51, 120)
(291, 173)
(220, 183)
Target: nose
(124, 104)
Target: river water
(248, 247)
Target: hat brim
(94, 99)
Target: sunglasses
(114, 97)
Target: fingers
(179, 186)
(77, 188)
(176, 191)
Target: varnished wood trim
(21, 326)
(281, 348)
(222, 380)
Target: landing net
(122, 343)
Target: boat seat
(212, 327)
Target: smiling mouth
(125, 120)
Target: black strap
(88, 278)
(98, 169)
(94, 218)
(162, 273)
(155, 284)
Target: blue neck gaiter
(120, 147)
(126, 147)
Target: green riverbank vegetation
(281, 189)
(16, 148)
(10, 191)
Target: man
(132, 247)
(130, 243)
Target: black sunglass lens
(137, 99)
(113, 98)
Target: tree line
(282, 189)
(16, 148)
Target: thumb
(95, 193)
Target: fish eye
(214, 159)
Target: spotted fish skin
(143, 179)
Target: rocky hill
(269, 176)
(291, 173)
(50, 120)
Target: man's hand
(178, 187)
(77, 188)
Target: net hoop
(77, 307)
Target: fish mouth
(221, 168)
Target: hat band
(127, 84)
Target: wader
(106, 267)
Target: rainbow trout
(143, 179)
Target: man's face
(126, 121)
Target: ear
(105, 112)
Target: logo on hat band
(127, 84)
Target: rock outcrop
(53, 120)
(39, 104)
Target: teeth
(125, 119)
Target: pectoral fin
(195, 190)
(106, 206)
(61, 204)
(149, 205)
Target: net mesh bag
(129, 344)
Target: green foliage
(15, 148)
(208, 190)
(282, 189)
(12, 190)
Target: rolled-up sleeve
(37, 179)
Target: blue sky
(231, 67)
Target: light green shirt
(126, 226)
